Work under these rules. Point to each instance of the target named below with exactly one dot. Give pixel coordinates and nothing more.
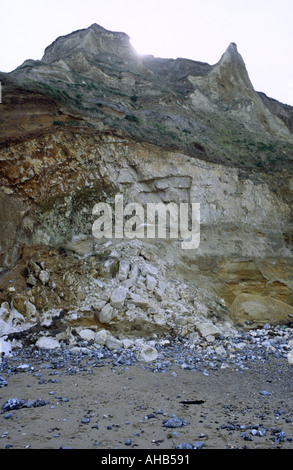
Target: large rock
(207, 329)
(151, 282)
(102, 336)
(5, 348)
(147, 353)
(124, 267)
(87, 334)
(46, 342)
(114, 343)
(118, 297)
(105, 338)
(106, 314)
(259, 309)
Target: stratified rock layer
(93, 119)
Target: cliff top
(208, 111)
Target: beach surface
(84, 403)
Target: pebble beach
(233, 393)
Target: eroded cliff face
(93, 119)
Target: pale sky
(194, 29)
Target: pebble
(23, 367)
(174, 422)
(178, 351)
(198, 445)
(85, 420)
(3, 382)
(13, 404)
(184, 445)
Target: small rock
(147, 268)
(33, 267)
(139, 301)
(44, 277)
(29, 403)
(31, 280)
(290, 357)
(220, 350)
(3, 382)
(184, 445)
(198, 445)
(174, 422)
(109, 268)
(262, 432)
(246, 437)
(85, 420)
(134, 272)
(23, 367)
(39, 402)
(30, 309)
(13, 404)
(68, 279)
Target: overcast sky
(195, 29)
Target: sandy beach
(88, 404)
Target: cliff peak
(231, 73)
(232, 58)
(92, 40)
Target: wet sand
(106, 407)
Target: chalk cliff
(93, 119)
